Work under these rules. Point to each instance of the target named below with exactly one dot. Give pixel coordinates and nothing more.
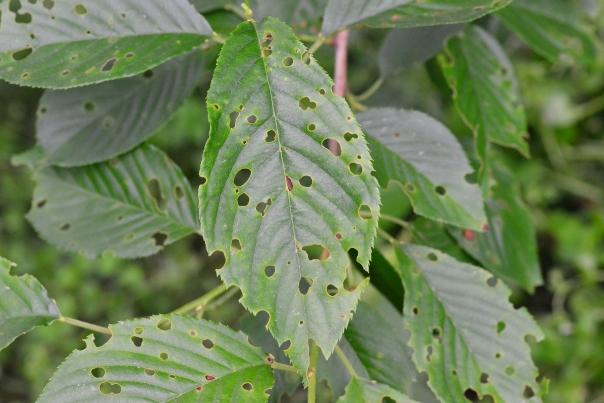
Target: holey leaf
(364, 391)
(131, 206)
(283, 207)
(164, 359)
(67, 43)
(465, 333)
(405, 13)
(92, 124)
(422, 155)
(485, 90)
(24, 304)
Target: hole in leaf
(509, 371)
(471, 395)
(312, 127)
(137, 341)
(98, 372)
(48, 4)
(41, 203)
(285, 345)
(306, 103)
(22, 54)
(154, 189)
(365, 212)
(306, 181)
(484, 378)
(332, 290)
(148, 74)
(355, 168)
(160, 238)
(109, 64)
(138, 330)
(178, 192)
(492, 281)
(304, 285)
(528, 392)
(242, 177)
(164, 324)
(415, 310)
(220, 259)
(80, 9)
(252, 119)
(233, 119)
(270, 136)
(247, 386)
(149, 372)
(236, 244)
(350, 136)
(263, 206)
(316, 252)
(432, 257)
(108, 388)
(163, 356)
(500, 327)
(441, 191)
(207, 343)
(333, 146)
(65, 227)
(203, 180)
(89, 106)
(243, 200)
(269, 271)
(288, 61)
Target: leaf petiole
(85, 325)
(346, 362)
(202, 302)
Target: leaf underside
(69, 43)
(421, 154)
(405, 13)
(95, 123)
(485, 90)
(465, 333)
(131, 206)
(163, 359)
(24, 304)
(364, 391)
(282, 207)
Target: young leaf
(405, 13)
(508, 245)
(426, 159)
(68, 43)
(404, 48)
(465, 333)
(485, 90)
(24, 304)
(281, 206)
(131, 206)
(364, 391)
(553, 28)
(163, 359)
(92, 124)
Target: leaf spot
(108, 388)
(304, 285)
(242, 177)
(164, 324)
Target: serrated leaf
(405, 13)
(553, 28)
(163, 359)
(24, 304)
(131, 206)
(364, 391)
(465, 333)
(421, 154)
(404, 48)
(91, 124)
(283, 208)
(508, 245)
(69, 43)
(485, 90)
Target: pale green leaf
(405, 13)
(421, 154)
(364, 391)
(68, 43)
(465, 333)
(164, 359)
(553, 28)
(485, 90)
(283, 208)
(24, 304)
(131, 206)
(508, 245)
(95, 123)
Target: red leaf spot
(486, 228)
(289, 183)
(199, 389)
(210, 378)
(469, 235)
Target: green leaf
(92, 124)
(404, 48)
(385, 278)
(203, 6)
(131, 206)
(508, 246)
(296, 12)
(485, 90)
(163, 359)
(465, 333)
(283, 208)
(364, 391)
(553, 28)
(68, 43)
(405, 13)
(421, 154)
(24, 304)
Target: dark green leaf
(485, 90)
(465, 333)
(296, 12)
(385, 278)
(364, 391)
(131, 206)
(553, 28)
(68, 43)
(283, 208)
(92, 124)
(405, 13)
(163, 359)
(422, 155)
(24, 304)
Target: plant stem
(341, 69)
(284, 367)
(346, 362)
(317, 44)
(371, 90)
(312, 374)
(223, 299)
(85, 325)
(395, 220)
(201, 302)
(387, 236)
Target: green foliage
(361, 391)
(24, 304)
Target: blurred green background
(563, 186)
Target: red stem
(341, 43)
